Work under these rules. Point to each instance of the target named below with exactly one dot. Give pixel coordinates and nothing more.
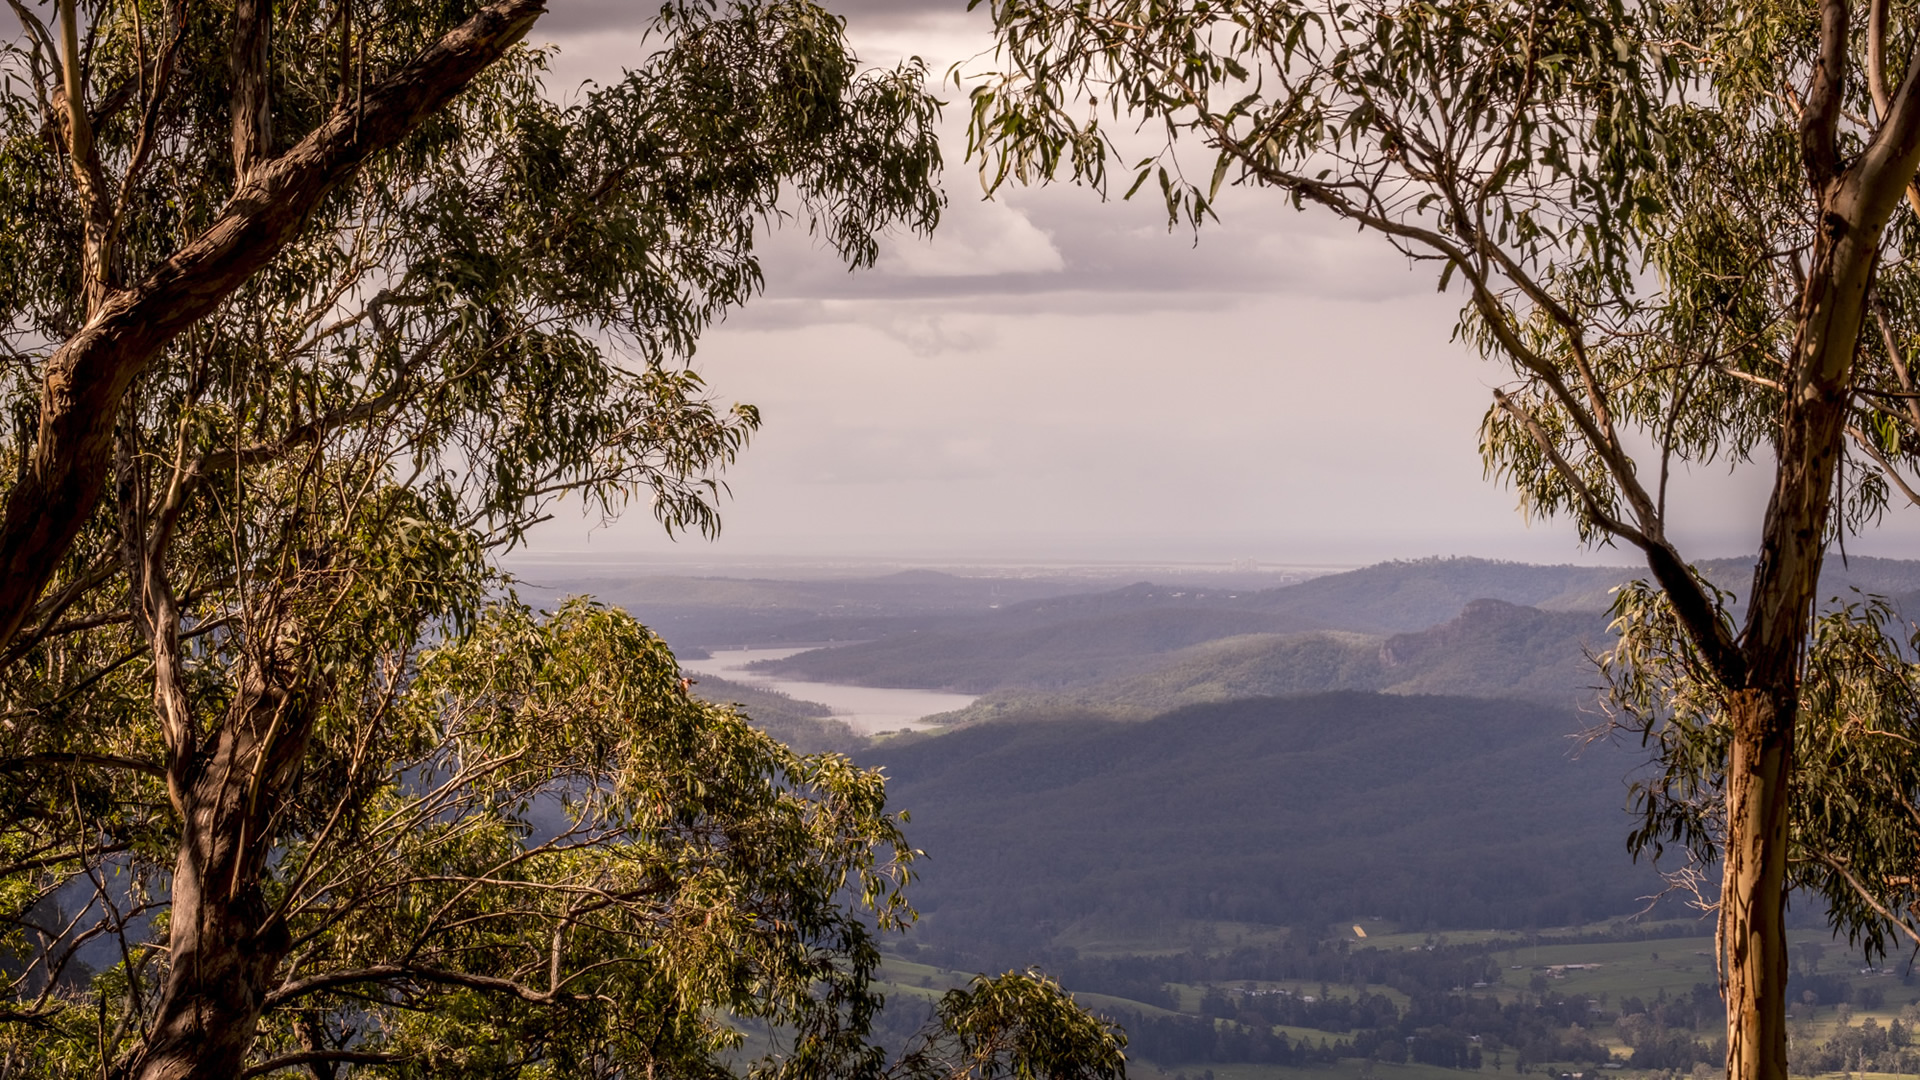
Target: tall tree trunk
(224, 954)
(225, 946)
(1752, 932)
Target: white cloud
(929, 335)
(975, 239)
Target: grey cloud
(567, 17)
(1111, 256)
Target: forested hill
(1400, 597)
(1072, 641)
(1491, 649)
(1172, 645)
(1428, 811)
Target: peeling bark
(1752, 930)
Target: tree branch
(88, 177)
(1690, 604)
(1820, 119)
(42, 861)
(1877, 57)
(1866, 895)
(1899, 364)
(391, 973)
(86, 377)
(105, 761)
(156, 93)
(323, 1057)
(1886, 167)
(1886, 467)
(250, 90)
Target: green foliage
(285, 782)
(1852, 817)
(575, 825)
(1019, 1026)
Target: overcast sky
(1052, 377)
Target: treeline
(1329, 963)
(1449, 1029)
(1187, 1040)
(1450, 1018)
(1871, 1047)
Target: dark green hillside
(1428, 811)
(1492, 649)
(1496, 649)
(1229, 669)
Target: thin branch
(1899, 363)
(1866, 895)
(323, 1057)
(103, 761)
(44, 861)
(1757, 380)
(1885, 466)
(393, 973)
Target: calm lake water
(866, 709)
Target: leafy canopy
(287, 779)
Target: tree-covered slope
(1076, 640)
(1398, 597)
(1492, 649)
(1431, 811)
(806, 727)
(1075, 647)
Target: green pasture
(1608, 972)
(1170, 936)
(1347, 1069)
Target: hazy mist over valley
(1175, 782)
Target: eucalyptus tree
(1687, 230)
(310, 311)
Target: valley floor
(1614, 998)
